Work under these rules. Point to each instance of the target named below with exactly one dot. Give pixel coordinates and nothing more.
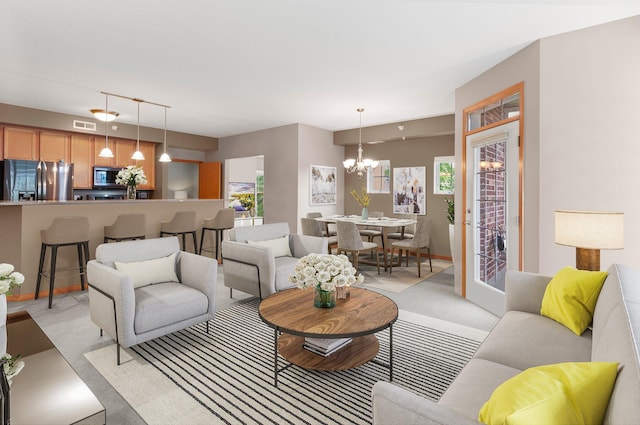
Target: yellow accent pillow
(563, 393)
(571, 296)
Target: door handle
(468, 223)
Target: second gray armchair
(259, 259)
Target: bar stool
(126, 227)
(224, 220)
(183, 222)
(64, 231)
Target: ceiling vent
(84, 125)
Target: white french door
(491, 219)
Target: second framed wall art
(322, 182)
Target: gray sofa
(260, 270)
(133, 315)
(523, 339)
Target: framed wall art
(322, 182)
(409, 195)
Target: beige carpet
(402, 277)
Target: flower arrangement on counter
(12, 366)
(325, 272)
(362, 199)
(132, 175)
(9, 278)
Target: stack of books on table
(325, 346)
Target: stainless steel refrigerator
(37, 180)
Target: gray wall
(317, 148)
(580, 139)
(410, 153)
(521, 67)
(280, 149)
(17, 115)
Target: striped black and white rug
(226, 376)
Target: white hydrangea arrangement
(325, 271)
(9, 278)
(132, 175)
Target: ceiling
(235, 66)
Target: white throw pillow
(143, 273)
(279, 246)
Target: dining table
(382, 222)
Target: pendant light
(359, 165)
(165, 156)
(106, 152)
(137, 155)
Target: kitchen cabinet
(148, 149)
(20, 143)
(55, 146)
(209, 180)
(123, 151)
(82, 158)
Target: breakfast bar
(22, 221)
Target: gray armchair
(259, 259)
(143, 289)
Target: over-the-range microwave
(105, 178)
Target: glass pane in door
(491, 213)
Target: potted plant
(451, 218)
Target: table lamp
(589, 232)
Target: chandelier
(359, 165)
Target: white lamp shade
(106, 153)
(165, 157)
(590, 229)
(349, 162)
(138, 156)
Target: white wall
(590, 146)
(182, 176)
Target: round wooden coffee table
(293, 317)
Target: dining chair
(409, 230)
(418, 244)
(330, 228)
(350, 241)
(312, 227)
(372, 232)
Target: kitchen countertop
(21, 223)
(105, 201)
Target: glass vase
(365, 214)
(131, 192)
(324, 299)
(342, 292)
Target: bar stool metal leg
(43, 251)
(52, 272)
(81, 265)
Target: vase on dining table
(365, 213)
(324, 299)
